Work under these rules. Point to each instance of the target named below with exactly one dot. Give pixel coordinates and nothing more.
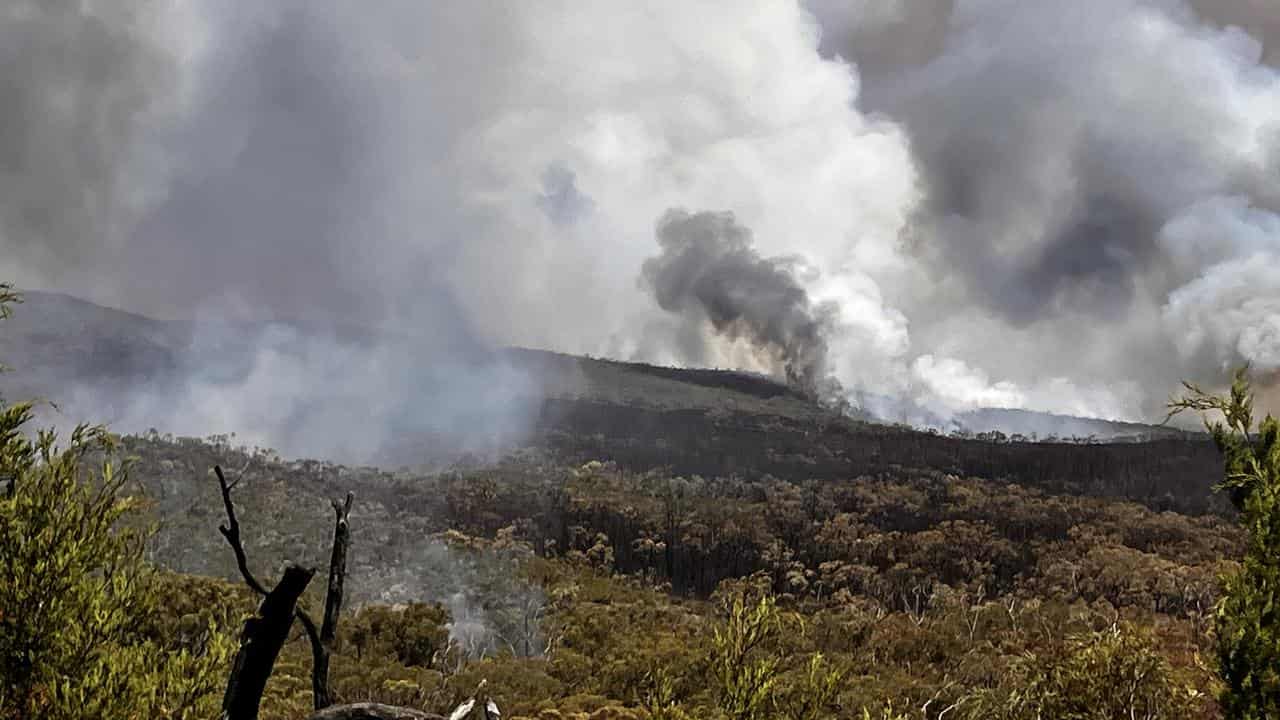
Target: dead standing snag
(266, 633)
(260, 643)
(322, 644)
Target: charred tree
(322, 640)
(265, 633)
(260, 645)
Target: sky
(918, 205)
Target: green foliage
(919, 590)
(758, 674)
(1248, 615)
(816, 691)
(77, 594)
(1114, 673)
(415, 636)
(886, 713)
(745, 676)
(8, 298)
(76, 598)
(660, 698)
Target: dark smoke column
(710, 275)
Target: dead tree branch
(372, 711)
(231, 531)
(265, 633)
(322, 639)
(322, 642)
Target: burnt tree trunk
(260, 645)
(322, 645)
(265, 634)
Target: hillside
(918, 584)
(58, 339)
(706, 422)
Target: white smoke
(1010, 202)
(1230, 311)
(1072, 155)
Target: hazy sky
(1021, 203)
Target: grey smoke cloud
(1074, 157)
(1258, 18)
(79, 88)
(349, 395)
(447, 172)
(492, 607)
(236, 170)
(710, 273)
(267, 158)
(1003, 202)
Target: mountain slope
(706, 422)
(56, 339)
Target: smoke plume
(1100, 187)
(1019, 203)
(709, 272)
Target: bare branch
(372, 711)
(310, 626)
(240, 475)
(322, 638)
(320, 697)
(231, 531)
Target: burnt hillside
(1166, 474)
(713, 423)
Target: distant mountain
(402, 407)
(1014, 424)
(1048, 426)
(58, 341)
(53, 339)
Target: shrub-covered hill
(1168, 473)
(891, 536)
(592, 590)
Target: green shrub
(76, 597)
(1248, 615)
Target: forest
(144, 574)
